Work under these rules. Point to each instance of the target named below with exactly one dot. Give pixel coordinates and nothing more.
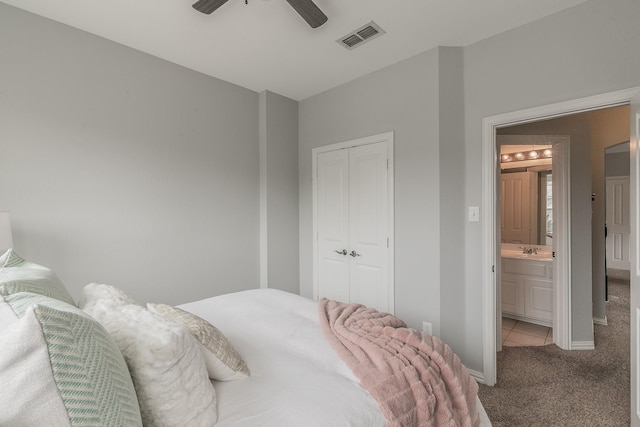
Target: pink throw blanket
(416, 378)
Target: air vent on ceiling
(363, 34)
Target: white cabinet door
(512, 295)
(618, 224)
(538, 299)
(527, 292)
(353, 225)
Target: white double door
(353, 226)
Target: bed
(280, 337)
(108, 360)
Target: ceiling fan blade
(309, 12)
(208, 6)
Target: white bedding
(296, 376)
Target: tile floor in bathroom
(517, 333)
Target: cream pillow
(165, 361)
(222, 360)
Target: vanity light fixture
(531, 155)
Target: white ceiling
(265, 45)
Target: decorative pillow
(94, 292)
(165, 361)
(7, 315)
(10, 259)
(222, 360)
(18, 275)
(59, 367)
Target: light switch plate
(427, 327)
(474, 214)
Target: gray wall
(279, 191)
(452, 203)
(121, 168)
(582, 51)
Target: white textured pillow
(165, 361)
(7, 315)
(223, 361)
(94, 292)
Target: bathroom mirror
(526, 208)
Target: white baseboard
(600, 321)
(478, 376)
(583, 345)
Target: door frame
(634, 255)
(388, 139)
(561, 320)
(489, 164)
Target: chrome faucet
(529, 250)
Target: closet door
(352, 225)
(333, 225)
(368, 283)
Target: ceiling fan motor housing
(307, 9)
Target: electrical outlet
(427, 327)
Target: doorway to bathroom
(588, 122)
(533, 196)
(525, 193)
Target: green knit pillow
(19, 275)
(90, 374)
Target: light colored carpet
(547, 386)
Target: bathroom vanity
(527, 279)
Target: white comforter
(297, 379)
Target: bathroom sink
(543, 256)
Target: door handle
(342, 252)
(354, 254)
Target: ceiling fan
(305, 8)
